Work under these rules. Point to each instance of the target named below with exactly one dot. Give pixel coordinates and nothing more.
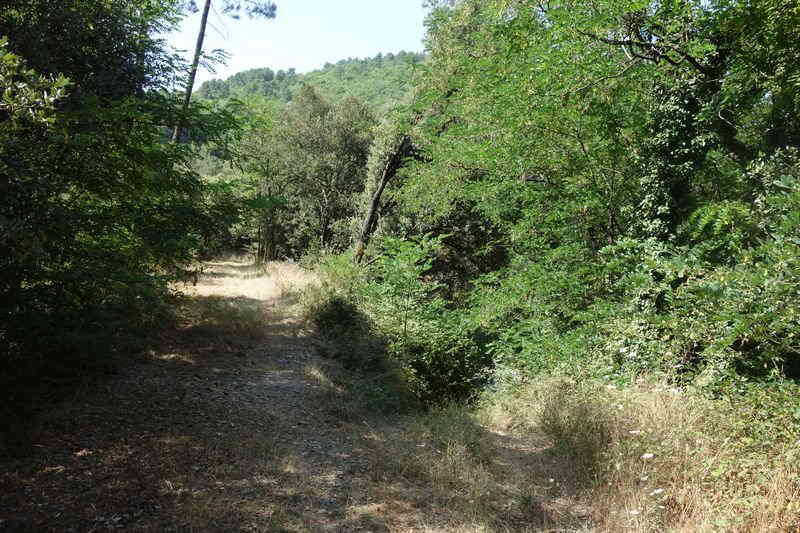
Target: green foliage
(391, 314)
(452, 364)
(443, 353)
(380, 82)
(724, 229)
(293, 182)
(27, 97)
(304, 163)
(690, 314)
(406, 301)
(258, 82)
(613, 188)
(347, 334)
(99, 214)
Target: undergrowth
(660, 455)
(654, 458)
(390, 313)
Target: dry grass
(236, 276)
(459, 476)
(234, 425)
(237, 300)
(442, 470)
(650, 458)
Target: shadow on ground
(233, 422)
(442, 471)
(189, 420)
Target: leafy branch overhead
(233, 8)
(27, 96)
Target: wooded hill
(379, 82)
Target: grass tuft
(650, 458)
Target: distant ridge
(378, 81)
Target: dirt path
(233, 423)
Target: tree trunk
(389, 171)
(176, 134)
(325, 231)
(260, 248)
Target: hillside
(378, 81)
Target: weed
(652, 458)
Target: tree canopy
(609, 183)
(98, 213)
(380, 82)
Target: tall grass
(651, 458)
(567, 454)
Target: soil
(219, 428)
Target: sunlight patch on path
(238, 277)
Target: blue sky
(308, 33)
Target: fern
(721, 231)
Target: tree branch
(655, 48)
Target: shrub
(443, 351)
(391, 309)
(347, 334)
(451, 363)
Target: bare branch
(657, 49)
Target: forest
(379, 82)
(570, 221)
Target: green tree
(389, 153)
(379, 84)
(99, 212)
(310, 162)
(594, 162)
(324, 148)
(266, 178)
(253, 8)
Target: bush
(391, 310)
(443, 352)
(451, 363)
(346, 334)
(337, 316)
(332, 308)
